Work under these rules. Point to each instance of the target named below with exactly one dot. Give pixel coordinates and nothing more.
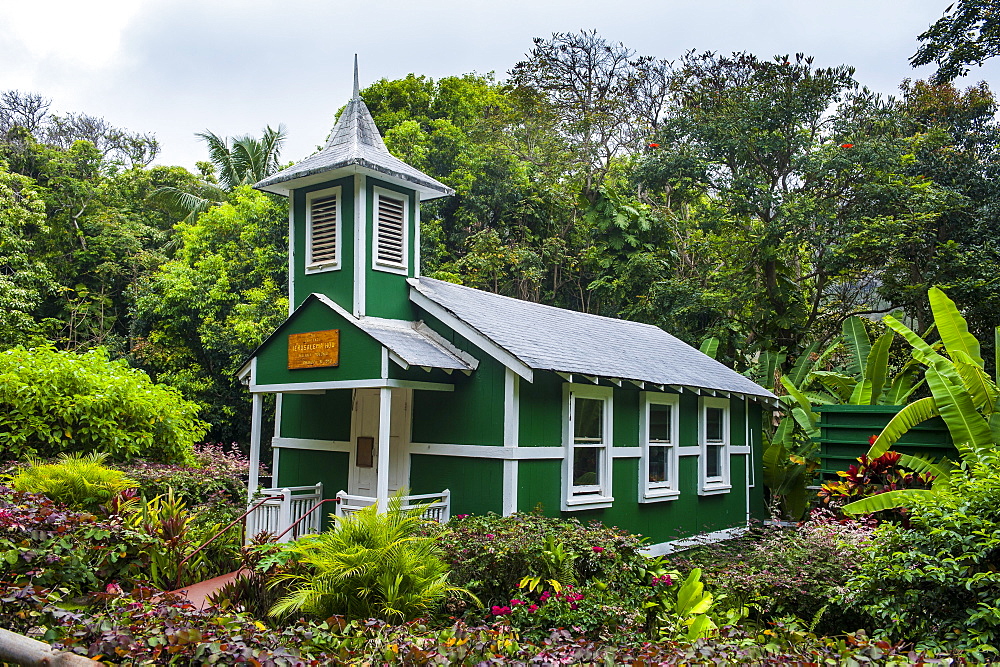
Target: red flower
(654, 145)
(847, 145)
(872, 439)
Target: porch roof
(408, 343)
(566, 341)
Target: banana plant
(864, 381)
(962, 394)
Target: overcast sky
(176, 67)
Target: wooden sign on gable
(315, 349)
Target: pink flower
(461, 516)
(500, 611)
(573, 606)
(545, 596)
(490, 536)
(532, 609)
(516, 602)
(598, 549)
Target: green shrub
(780, 572)
(370, 564)
(53, 402)
(937, 583)
(491, 555)
(78, 481)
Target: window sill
(659, 495)
(715, 489)
(587, 503)
(390, 268)
(322, 268)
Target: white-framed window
(587, 438)
(391, 243)
(658, 439)
(713, 440)
(323, 230)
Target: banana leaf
(877, 365)
(952, 327)
(911, 415)
(710, 346)
(976, 381)
(800, 370)
(839, 384)
(862, 394)
(964, 423)
(921, 465)
(903, 384)
(889, 500)
(860, 345)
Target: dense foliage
(80, 482)
(53, 402)
(936, 583)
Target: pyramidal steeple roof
(354, 142)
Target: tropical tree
(967, 34)
(247, 160)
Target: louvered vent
(323, 230)
(390, 230)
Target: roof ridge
(544, 305)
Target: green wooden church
(387, 380)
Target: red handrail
(299, 520)
(180, 566)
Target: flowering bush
(217, 477)
(491, 555)
(583, 612)
(789, 571)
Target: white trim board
(672, 546)
(299, 387)
(315, 445)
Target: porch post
(384, 412)
(257, 415)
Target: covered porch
(342, 421)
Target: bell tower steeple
(354, 218)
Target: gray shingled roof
(355, 141)
(566, 341)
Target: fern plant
(80, 481)
(370, 564)
(559, 567)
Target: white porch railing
(284, 507)
(437, 505)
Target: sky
(176, 67)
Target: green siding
(625, 419)
(540, 482)
(317, 416)
(360, 354)
(541, 411)
(303, 467)
(758, 506)
(387, 294)
(472, 414)
(476, 484)
(339, 284)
